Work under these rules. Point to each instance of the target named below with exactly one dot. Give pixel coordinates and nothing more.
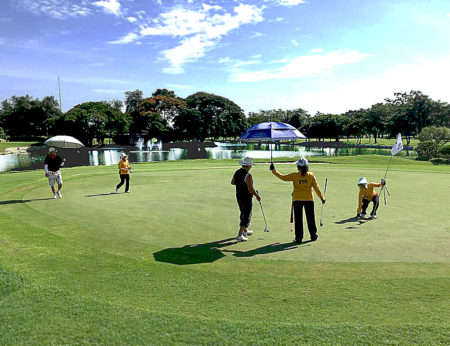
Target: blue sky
(319, 55)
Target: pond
(109, 156)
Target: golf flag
(398, 146)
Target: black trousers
(366, 202)
(310, 219)
(123, 178)
(245, 208)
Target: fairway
(161, 265)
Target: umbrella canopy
(271, 132)
(64, 142)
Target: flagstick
(385, 175)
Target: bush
(445, 151)
(432, 141)
(3, 135)
(440, 161)
(426, 150)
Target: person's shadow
(103, 194)
(275, 247)
(15, 201)
(356, 221)
(194, 253)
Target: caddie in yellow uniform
(366, 195)
(302, 197)
(124, 172)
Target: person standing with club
(124, 172)
(243, 181)
(366, 195)
(52, 168)
(302, 197)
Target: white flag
(398, 146)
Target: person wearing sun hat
(302, 197)
(366, 195)
(52, 168)
(124, 172)
(243, 181)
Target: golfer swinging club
(243, 181)
(366, 195)
(124, 172)
(302, 197)
(52, 167)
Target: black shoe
(314, 237)
(297, 241)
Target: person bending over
(366, 195)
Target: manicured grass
(160, 265)
(371, 141)
(4, 145)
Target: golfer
(243, 181)
(366, 195)
(302, 197)
(124, 172)
(52, 168)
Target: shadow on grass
(102, 194)
(194, 253)
(355, 220)
(15, 201)
(276, 247)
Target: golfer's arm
(376, 184)
(317, 189)
(46, 169)
(249, 181)
(233, 181)
(284, 177)
(358, 211)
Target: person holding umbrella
(52, 168)
(366, 195)
(243, 181)
(302, 197)
(124, 172)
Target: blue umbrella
(271, 132)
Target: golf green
(161, 265)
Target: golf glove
(272, 167)
(383, 182)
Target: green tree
(220, 117)
(132, 100)
(323, 126)
(90, 120)
(432, 141)
(376, 119)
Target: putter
(264, 216)
(324, 192)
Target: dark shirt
(242, 192)
(54, 164)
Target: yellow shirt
(124, 167)
(367, 193)
(303, 185)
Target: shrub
(445, 151)
(432, 140)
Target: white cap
(123, 155)
(51, 150)
(246, 161)
(362, 181)
(302, 162)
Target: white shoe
(241, 238)
(59, 194)
(373, 217)
(363, 215)
(55, 196)
(248, 232)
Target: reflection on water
(85, 157)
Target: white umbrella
(64, 142)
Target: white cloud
(200, 30)
(429, 77)
(316, 50)
(128, 38)
(180, 86)
(58, 9)
(290, 2)
(107, 91)
(109, 6)
(295, 43)
(132, 19)
(257, 34)
(303, 66)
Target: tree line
(203, 115)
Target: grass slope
(160, 265)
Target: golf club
(324, 192)
(264, 216)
